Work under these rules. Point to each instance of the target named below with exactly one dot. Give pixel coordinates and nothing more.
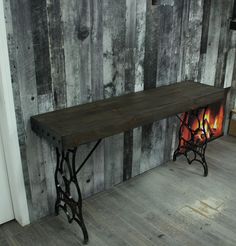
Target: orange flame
(213, 124)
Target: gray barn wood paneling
(139, 78)
(209, 75)
(204, 38)
(150, 132)
(114, 26)
(39, 24)
(57, 55)
(57, 98)
(96, 37)
(26, 83)
(191, 38)
(67, 54)
(130, 52)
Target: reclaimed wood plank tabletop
(92, 121)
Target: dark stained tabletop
(73, 126)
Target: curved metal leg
(69, 197)
(67, 200)
(187, 146)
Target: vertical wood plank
(141, 10)
(45, 104)
(233, 90)
(141, 7)
(39, 24)
(164, 62)
(114, 24)
(213, 43)
(10, 8)
(151, 39)
(150, 74)
(223, 44)
(83, 29)
(170, 56)
(204, 39)
(57, 56)
(96, 38)
(77, 31)
(43, 74)
(191, 38)
(56, 99)
(184, 28)
(130, 51)
(25, 63)
(70, 20)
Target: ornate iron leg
(69, 197)
(193, 144)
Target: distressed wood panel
(130, 52)
(223, 44)
(191, 39)
(26, 78)
(141, 7)
(96, 39)
(9, 8)
(57, 55)
(213, 42)
(204, 38)
(170, 51)
(45, 104)
(77, 39)
(57, 98)
(114, 26)
(150, 74)
(67, 54)
(39, 23)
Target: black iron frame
(66, 171)
(66, 177)
(190, 145)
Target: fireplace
(198, 127)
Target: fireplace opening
(202, 125)
(197, 128)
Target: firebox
(197, 128)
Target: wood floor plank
(170, 205)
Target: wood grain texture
(213, 42)
(191, 38)
(114, 38)
(57, 54)
(150, 75)
(68, 54)
(204, 38)
(130, 55)
(96, 39)
(39, 23)
(92, 121)
(28, 88)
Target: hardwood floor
(170, 205)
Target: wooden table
(68, 128)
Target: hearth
(198, 127)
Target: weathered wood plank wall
(67, 54)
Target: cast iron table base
(193, 144)
(69, 197)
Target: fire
(213, 124)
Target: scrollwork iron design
(193, 144)
(69, 197)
